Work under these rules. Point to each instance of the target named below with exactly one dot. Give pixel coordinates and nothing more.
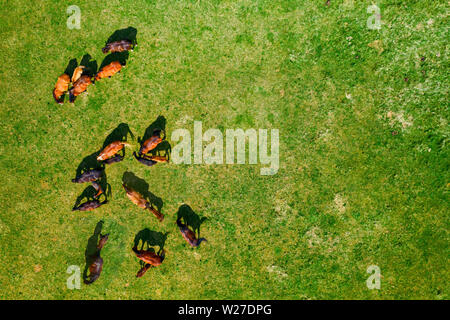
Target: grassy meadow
(364, 149)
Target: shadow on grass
(159, 123)
(73, 63)
(119, 134)
(190, 218)
(91, 251)
(90, 65)
(129, 33)
(89, 163)
(122, 57)
(86, 61)
(147, 239)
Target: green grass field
(364, 148)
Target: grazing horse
(119, 46)
(90, 205)
(150, 258)
(188, 234)
(79, 87)
(149, 160)
(151, 143)
(141, 202)
(111, 150)
(77, 73)
(144, 160)
(97, 265)
(109, 70)
(61, 87)
(91, 176)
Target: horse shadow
(118, 134)
(148, 238)
(90, 65)
(71, 66)
(87, 194)
(130, 180)
(88, 163)
(91, 251)
(190, 218)
(122, 57)
(129, 33)
(159, 123)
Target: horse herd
(82, 78)
(112, 153)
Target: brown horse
(90, 205)
(111, 149)
(188, 234)
(79, 87)
(150, 258)
(118, 46)
(91, 176)
(97, 265)
(141, 202)
(109, 70)
(151, 143)
(61, 87)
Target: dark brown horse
(91, 176)
(90, 205)
(97, 265)
(118, 46)
(79, 87)
(150, 258)
(188, 234)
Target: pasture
(363, 173)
